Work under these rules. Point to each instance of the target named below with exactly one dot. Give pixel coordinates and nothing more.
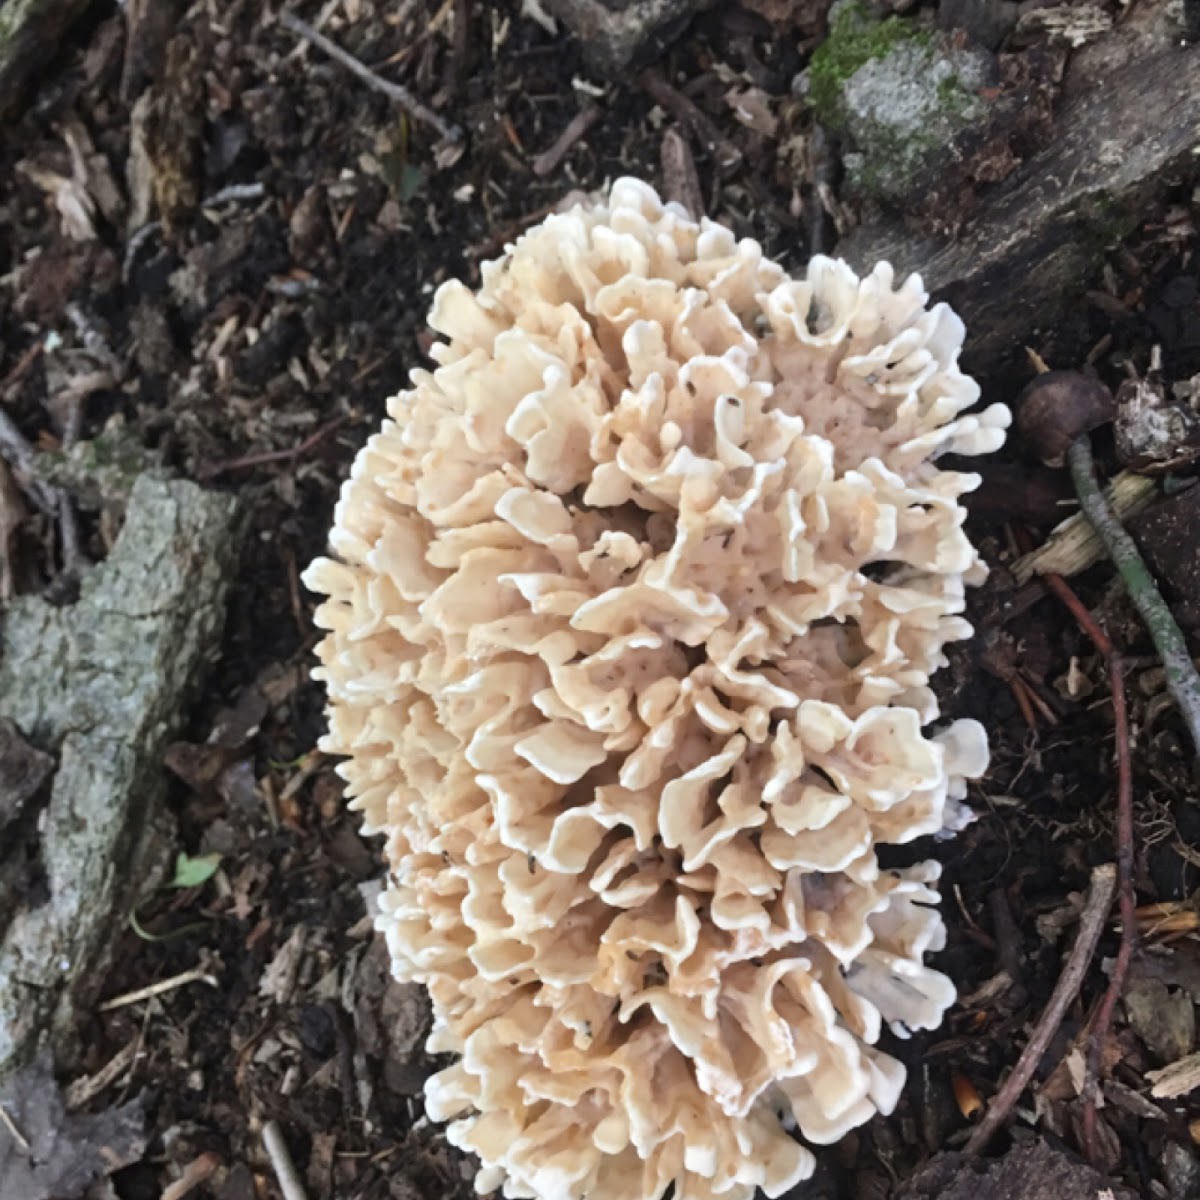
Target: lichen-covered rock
(102, 683)
(903, 97)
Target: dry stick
(194, 1174)
(395, 91)
(1116, 981)
(575, 130)
(21, 1141)
(281, 1161)
(270, 456)
(195, 975)
(725, 154)
(1182, 680)
(1128, 905)
(1091, 925)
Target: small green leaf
(192, 872)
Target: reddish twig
(270, 456)
(1024, 703)
(1124, 830)
(1080, 611)
(1127, 904)
(1091, 925)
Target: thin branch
(1091, 925)
(394, 91)
(725, 154)
(1182, 680)
(1127, 903)
(195, 975)
(575, 130)
(271, 456)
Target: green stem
(1182, 680)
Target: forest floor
(221, 246)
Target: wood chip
(1175, 1079)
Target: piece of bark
(1031, 1170)
(104, 684)
(1129, 127)
(31, 33)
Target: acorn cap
(1059, 406)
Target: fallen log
(102, 685)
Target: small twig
(725, 154)
(460, 51)
(195, 975)
(1124, 823)
(200, 1169)
(13, 1132)
(562, 145)
(270, 456)
(281, 1161)
(1021, 694)
(1182, 680)
(31, 355)
(1063, 590)
(394, 91)
(90, 1086)
(1127, 903)
(1091, 925)
(1006, 934)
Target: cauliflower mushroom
(631, 614)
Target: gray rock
(905, 112)
(103, 684)
(615, 33)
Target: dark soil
(300, 223)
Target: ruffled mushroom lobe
(635, 601)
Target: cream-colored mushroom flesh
(630, 617)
